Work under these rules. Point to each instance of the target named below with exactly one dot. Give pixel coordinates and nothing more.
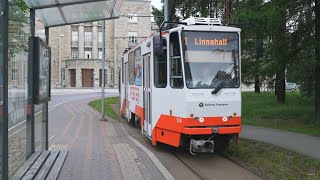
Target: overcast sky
(156, 3)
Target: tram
(181, 85)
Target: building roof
(64, 12)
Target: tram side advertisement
(42, 71)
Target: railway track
(194, 171)
(202, 166)
(186, 162)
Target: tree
(317, 54)
(279, 37)
(248, 16)
(158, 15)
(18, 22)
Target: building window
(75, 53)
(87, 54)
(87, 38)
(100, 53)
(133, 18)
(74, 39)
(100, 39)
(14, 74)
(133, 36)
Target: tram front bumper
(211, 130)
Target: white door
(146, 95)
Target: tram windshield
(211, 58)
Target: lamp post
(102, 64)
(60, 80)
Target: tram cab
(189, 90)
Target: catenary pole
(102, 64)
(166, 10)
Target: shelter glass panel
(39, 127)
(18, 44)
(37, 3)
(2, 130)
(40, 116)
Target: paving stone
(99, 149)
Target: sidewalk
(100, 149)
(63, 91)
(300, 143)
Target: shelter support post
(30, 108)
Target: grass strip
(296, 115)
(273, 162)
(107, 106)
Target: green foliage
(18, 27)
(295, 115)
(273, 162)
(158, 15)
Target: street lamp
(60, 80)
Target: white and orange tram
(182, 85)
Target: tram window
(131, 68)
(160, 70)
(137, 67)
(176, 76)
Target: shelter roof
(64, 12)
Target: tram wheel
(132, 119)
(221, 143)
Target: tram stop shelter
(25, 76)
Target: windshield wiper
(222, 83)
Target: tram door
(147, 94)
(126, 85)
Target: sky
(156, 3)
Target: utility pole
(103, 72)
(60, 80)
(166, 10)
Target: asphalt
(300, 143)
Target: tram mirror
(157, 44)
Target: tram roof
(65, 12)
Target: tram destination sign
(42, 71)
(206, 41)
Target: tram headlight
(225, 119)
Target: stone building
(80, 46)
